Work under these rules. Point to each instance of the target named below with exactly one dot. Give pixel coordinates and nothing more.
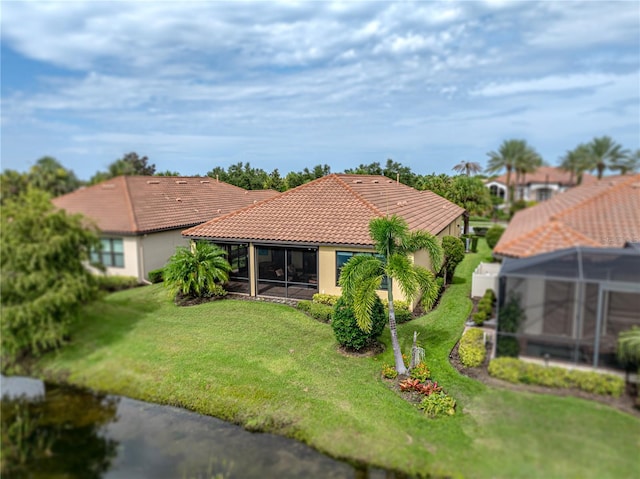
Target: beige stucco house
(141, 217)
(293, 245)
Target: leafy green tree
(606, 153)
(129, 165)
(471, 194)
(242, 175)
(438, 184)
(392, 169)
(468, 167)
(196, 271)
(49, 175)
(12, 184)
(44, 281)
(167, 173)
(362, 275)
(297, 178)
(275, 181)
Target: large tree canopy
(43, 281)
(129, 165)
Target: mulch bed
(624, 403)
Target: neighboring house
(572, 267)
(544, 183)
(295, 244)
(141, 217)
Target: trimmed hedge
(155, 275)
(517, 371)
(472, 350)
(328, 299)
(318, 311)
(111, 284)
(493, 235)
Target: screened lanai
(569, 305)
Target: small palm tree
(195, 271)
(628, 164)
(468, 167)
(362, 275)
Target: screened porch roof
(597, 265)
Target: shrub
(389, 372)
(328, 299)
(472, 350)
(155, 275)
(490, 294)
(517, 371)
(421, 372)
(493, 235)
(401, 309)
(116, 283)
(438, 404)
(480, 230)
(346, 329)
(485, 305)
(216, 290)
(321, 312)
(479, 317)
(453, 249)
(304, 305)
(474, 243)
(517, 205)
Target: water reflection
(57, 431)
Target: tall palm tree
(577, 161)
(507, 157)
(362, 275)
(606, 153)
(195, 271)
(468, 167)
(528, 162)
(628, 164)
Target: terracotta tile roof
(548, 174)
(335, 209)
(142, 204)
(604, 214)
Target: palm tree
(628, 164)
(528, 162)
(362, 275)
(606, 153)
(577, 161)
(507, 157)
(195, 271)
(468, 167)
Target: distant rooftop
(547, 174)
(605, 213)
(143, 204)
(335, 209)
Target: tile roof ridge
(254, 205)
(600, 191)
(565, 231)
(358, 196)
(127, 195)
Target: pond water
(58, 431)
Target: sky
(292, 84)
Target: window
(544, 194)
(111, 253)
(343, 256)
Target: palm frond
(401, 269)
(356, 271)
(629, 345)
(422, 240)
(428, 286)
(388, 234)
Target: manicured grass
(270, 367)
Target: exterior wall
(156, 249)
(485, 277)
(327, 271)
(130, 248)
(453, 229)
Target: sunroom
(569, 305)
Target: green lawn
(270, 367)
